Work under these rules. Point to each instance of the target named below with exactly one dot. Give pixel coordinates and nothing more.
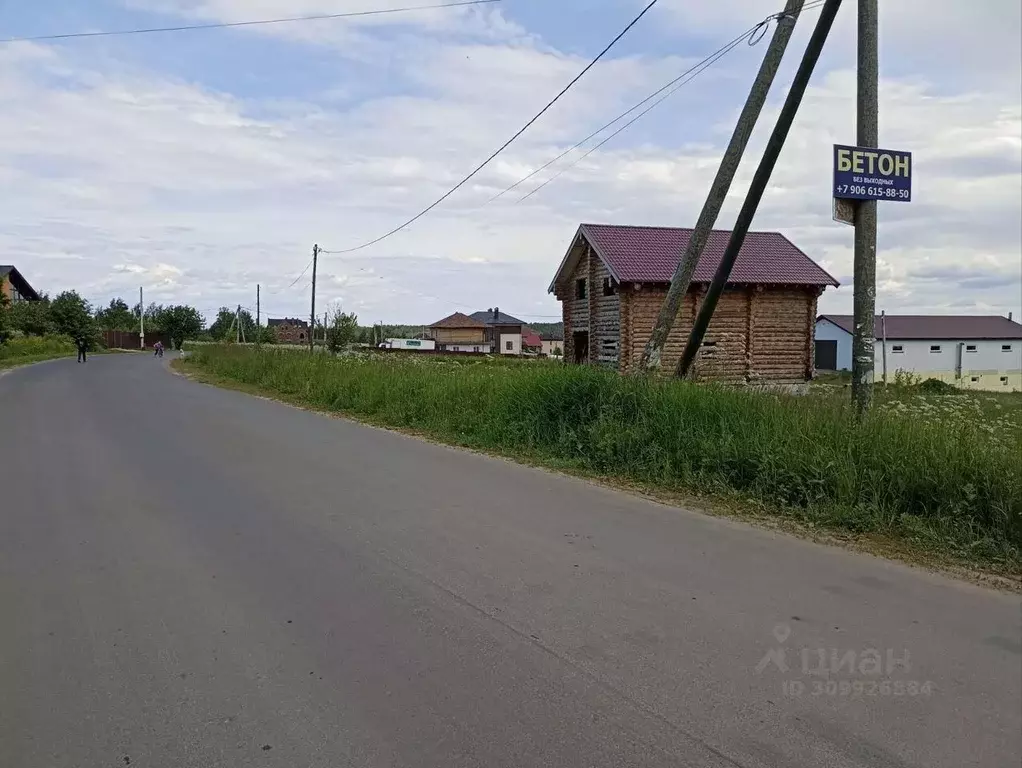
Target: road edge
(718, 507)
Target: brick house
(613, 281)
(14, 286)
(290, 330)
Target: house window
(609, 289)
(580, 288)
(898, 349)
(1004, 380)
(475, 349)
(509, 346)
(970, 347)
(975, 378)
(1006, 347)
(935, 348)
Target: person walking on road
(83, 346)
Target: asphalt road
(196, 577)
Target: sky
(201, 164)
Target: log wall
(757, 333)
(458, 335)
(604, 315)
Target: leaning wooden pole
(651, 356)
(759, 182)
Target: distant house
(502, 331)
(532, 344)
(290, 330)
(491, 332)
(970, 351)
(14, 286)
(552, 344)
(613, 280)
(459, 333)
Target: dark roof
(651, 254)
(502, 318)
(273, 322)
(938, 327)
(19, 282)
(458, 320)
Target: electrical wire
(300, 276)
(725, 48)
(672, 87)
(706, 65)
(256, 22)
(507, 143)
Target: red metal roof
(938, 327)
(651, 254)
(530, 338)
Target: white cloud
(139, 176)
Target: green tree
(224, 327)
(5, 323)
(32, 318)
(266, 335)
(72, 316)
(180, 322)
(343, 330)
(118, 316)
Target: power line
(706, 65)
(507, 143)
(723, 49)
(300, 276)
(227, 24)
(671, 88)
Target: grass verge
(34, 349)
(25, 351)
(901, 485)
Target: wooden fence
(130, 339)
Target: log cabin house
(613, 281)
(460, 333)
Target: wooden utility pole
(865, 261)
(650, 360)
(237, 323)
(312, 313)
(141, 320)
(759, 182)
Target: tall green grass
(942, 484)
(30, 349)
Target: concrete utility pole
(650, 360)
(312, 313)
(883, 337)
(865, 263)
(141, 320)
(237, 323)
(259, 316)
(759, 182)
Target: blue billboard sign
(862, 173)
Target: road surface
(196, 577)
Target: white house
(975, 352)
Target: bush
(28, 348)
(892, 473)
(937, 387)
